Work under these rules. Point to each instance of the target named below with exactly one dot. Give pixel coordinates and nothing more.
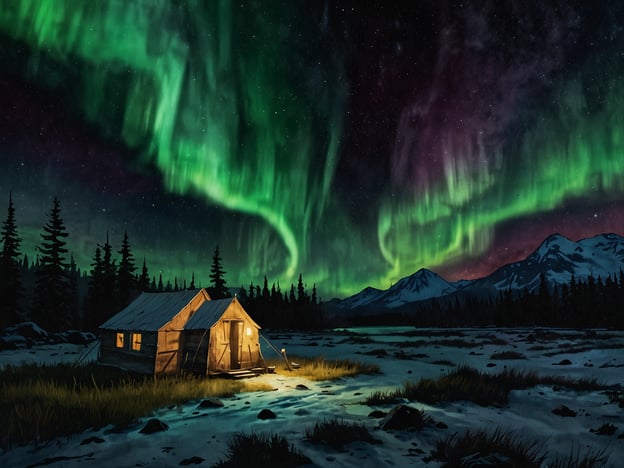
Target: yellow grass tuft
(319, 368)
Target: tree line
(53, 292)
(588, 303)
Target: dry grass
(262, 450)
(337, 434)
(319, 368)
(48, 404)
(466, 383)
(455, 449)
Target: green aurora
(243, 106)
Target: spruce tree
(218, 289)
(110, 303)
(51, 299)
(126, 279)
(94, 314)
(11, 289)
(143, 283)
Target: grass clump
(262, 450)
(591, 459)
(337, 434)
(319, 368)
(42, 402)
(496, 448)
(466, 383)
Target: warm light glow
(248, 331)
(120, 340)
(136, 342)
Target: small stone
(92, 440)
(564, 412)
(377, 414)
(441, 425)
(301, 387)
(192, 461)
(211, 403)
(490, 364)
(266, 414)
(154, 425)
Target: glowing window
(120, 340)
(136, 341)
(248, 331)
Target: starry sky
(354, 142)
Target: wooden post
(286, 359)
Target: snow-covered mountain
(558, 258)
(422, 285)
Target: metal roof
(150, 311)
(208, 314)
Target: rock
(301, 387)
(192, 461)
(154, 425)
(211, 403)
(266, 414)
(403, 417)
(605, 429)
(441, 425)
(92, 440)
(490, 364)
(564, 411)
(377, 414)
(565, 362)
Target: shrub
(337, 434)
(262, 450)
(494, 448)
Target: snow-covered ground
(204, 433)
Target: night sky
(352, 141)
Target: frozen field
(403, 354)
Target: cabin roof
(208, 314)
(150, 311)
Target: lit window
(248, 331)
(120, 340)
(136, 341)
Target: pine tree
(74, 295)
(192, 285)
(301, 297)
(218, 290)
(94, 301)
(143, 283)
(51, 302)
(109, 306)
(11, 289)
(126, 279)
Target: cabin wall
(195, 351)
(141, 360)
(169, 356)
(220, 356)
(169, 351)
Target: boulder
(403, 417)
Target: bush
(337, 434)
(262, 450)
(480, 448)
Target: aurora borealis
(354, 142)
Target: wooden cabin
(161, 333)
(221, 337)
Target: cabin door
(236, 334)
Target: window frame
(120, 340)
(137, 340)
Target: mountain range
(557, 258)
